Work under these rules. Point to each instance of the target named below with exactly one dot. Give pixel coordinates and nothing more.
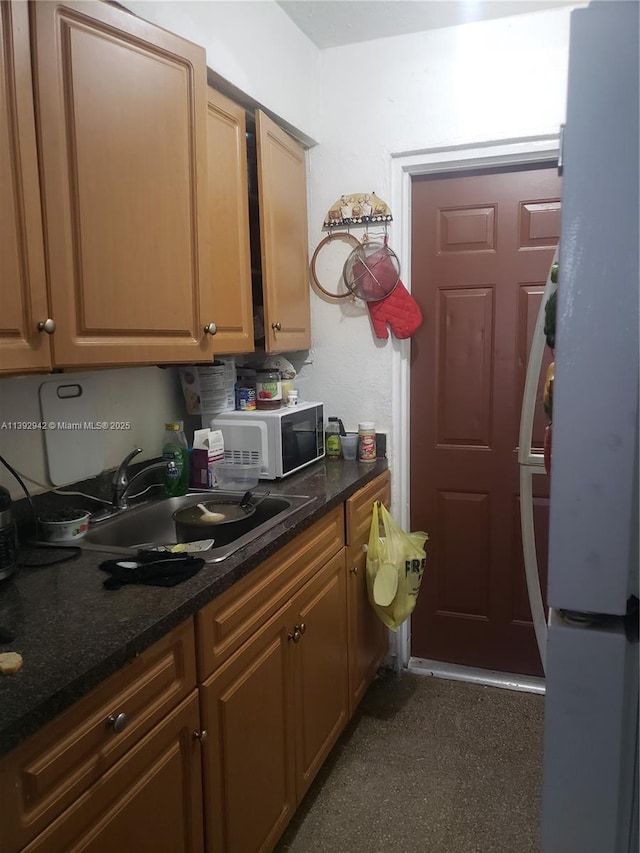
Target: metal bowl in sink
(152, 524)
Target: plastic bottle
(332, 439)
(175, 449)
(367, 441)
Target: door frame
(404, 166)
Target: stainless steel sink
(151, 524)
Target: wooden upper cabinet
(122, 125)
(284, 238)
(230, 256)
(23, 289)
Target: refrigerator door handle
(561, 151)
(533, 463)
(525, 455)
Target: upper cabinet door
(23, 288)
(284, 238)
(122, 122)
(229, 225)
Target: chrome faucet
(121, 484)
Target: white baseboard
(474, 675)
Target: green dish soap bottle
(332, 439)
(175, 449)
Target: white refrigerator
(590, 784)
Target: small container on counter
(367, 441)
(349, 442)
(245, 392)
(292, 399)
(287, 387)
(332, 439)
(268, 389)
(245, 397)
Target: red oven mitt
(399, 310)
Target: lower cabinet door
(249, 766)
(368, 636)
(320, 668)
(149, 802)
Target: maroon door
(482, 247)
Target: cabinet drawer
(358, 508)
(151, 800)
(50, 770)
(227, 622)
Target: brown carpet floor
(428, 766)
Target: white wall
(252, 44)
(491, 80)
(145, 396)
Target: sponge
(10, 662)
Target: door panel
(283, 237)
(462, 592)
(482, 246)
(321, 668)
(246, 706)
(229, 224)
(23, 294)
(122, 124)
(465, 334)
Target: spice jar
(268, 389)
(367, 441)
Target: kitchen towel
(147, 568)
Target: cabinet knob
(365, 548)
(303, 628)
(49, 326)
(118, 722)
(354, 570)
(276, 327)
(295, 636)
(201, 736)
(210, 329)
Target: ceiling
(330, 23)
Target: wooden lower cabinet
(320, 669)
(273, 711)
(283, 658)
(368, 636)
(149, 802)
(249, 762)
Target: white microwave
(285, 439)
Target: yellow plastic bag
(395, 565)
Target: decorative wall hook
(357, 209)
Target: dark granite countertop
(72, 633)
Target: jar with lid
(268, 389)
(367, 441)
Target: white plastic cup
(349, 444)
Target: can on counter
(245, 398)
